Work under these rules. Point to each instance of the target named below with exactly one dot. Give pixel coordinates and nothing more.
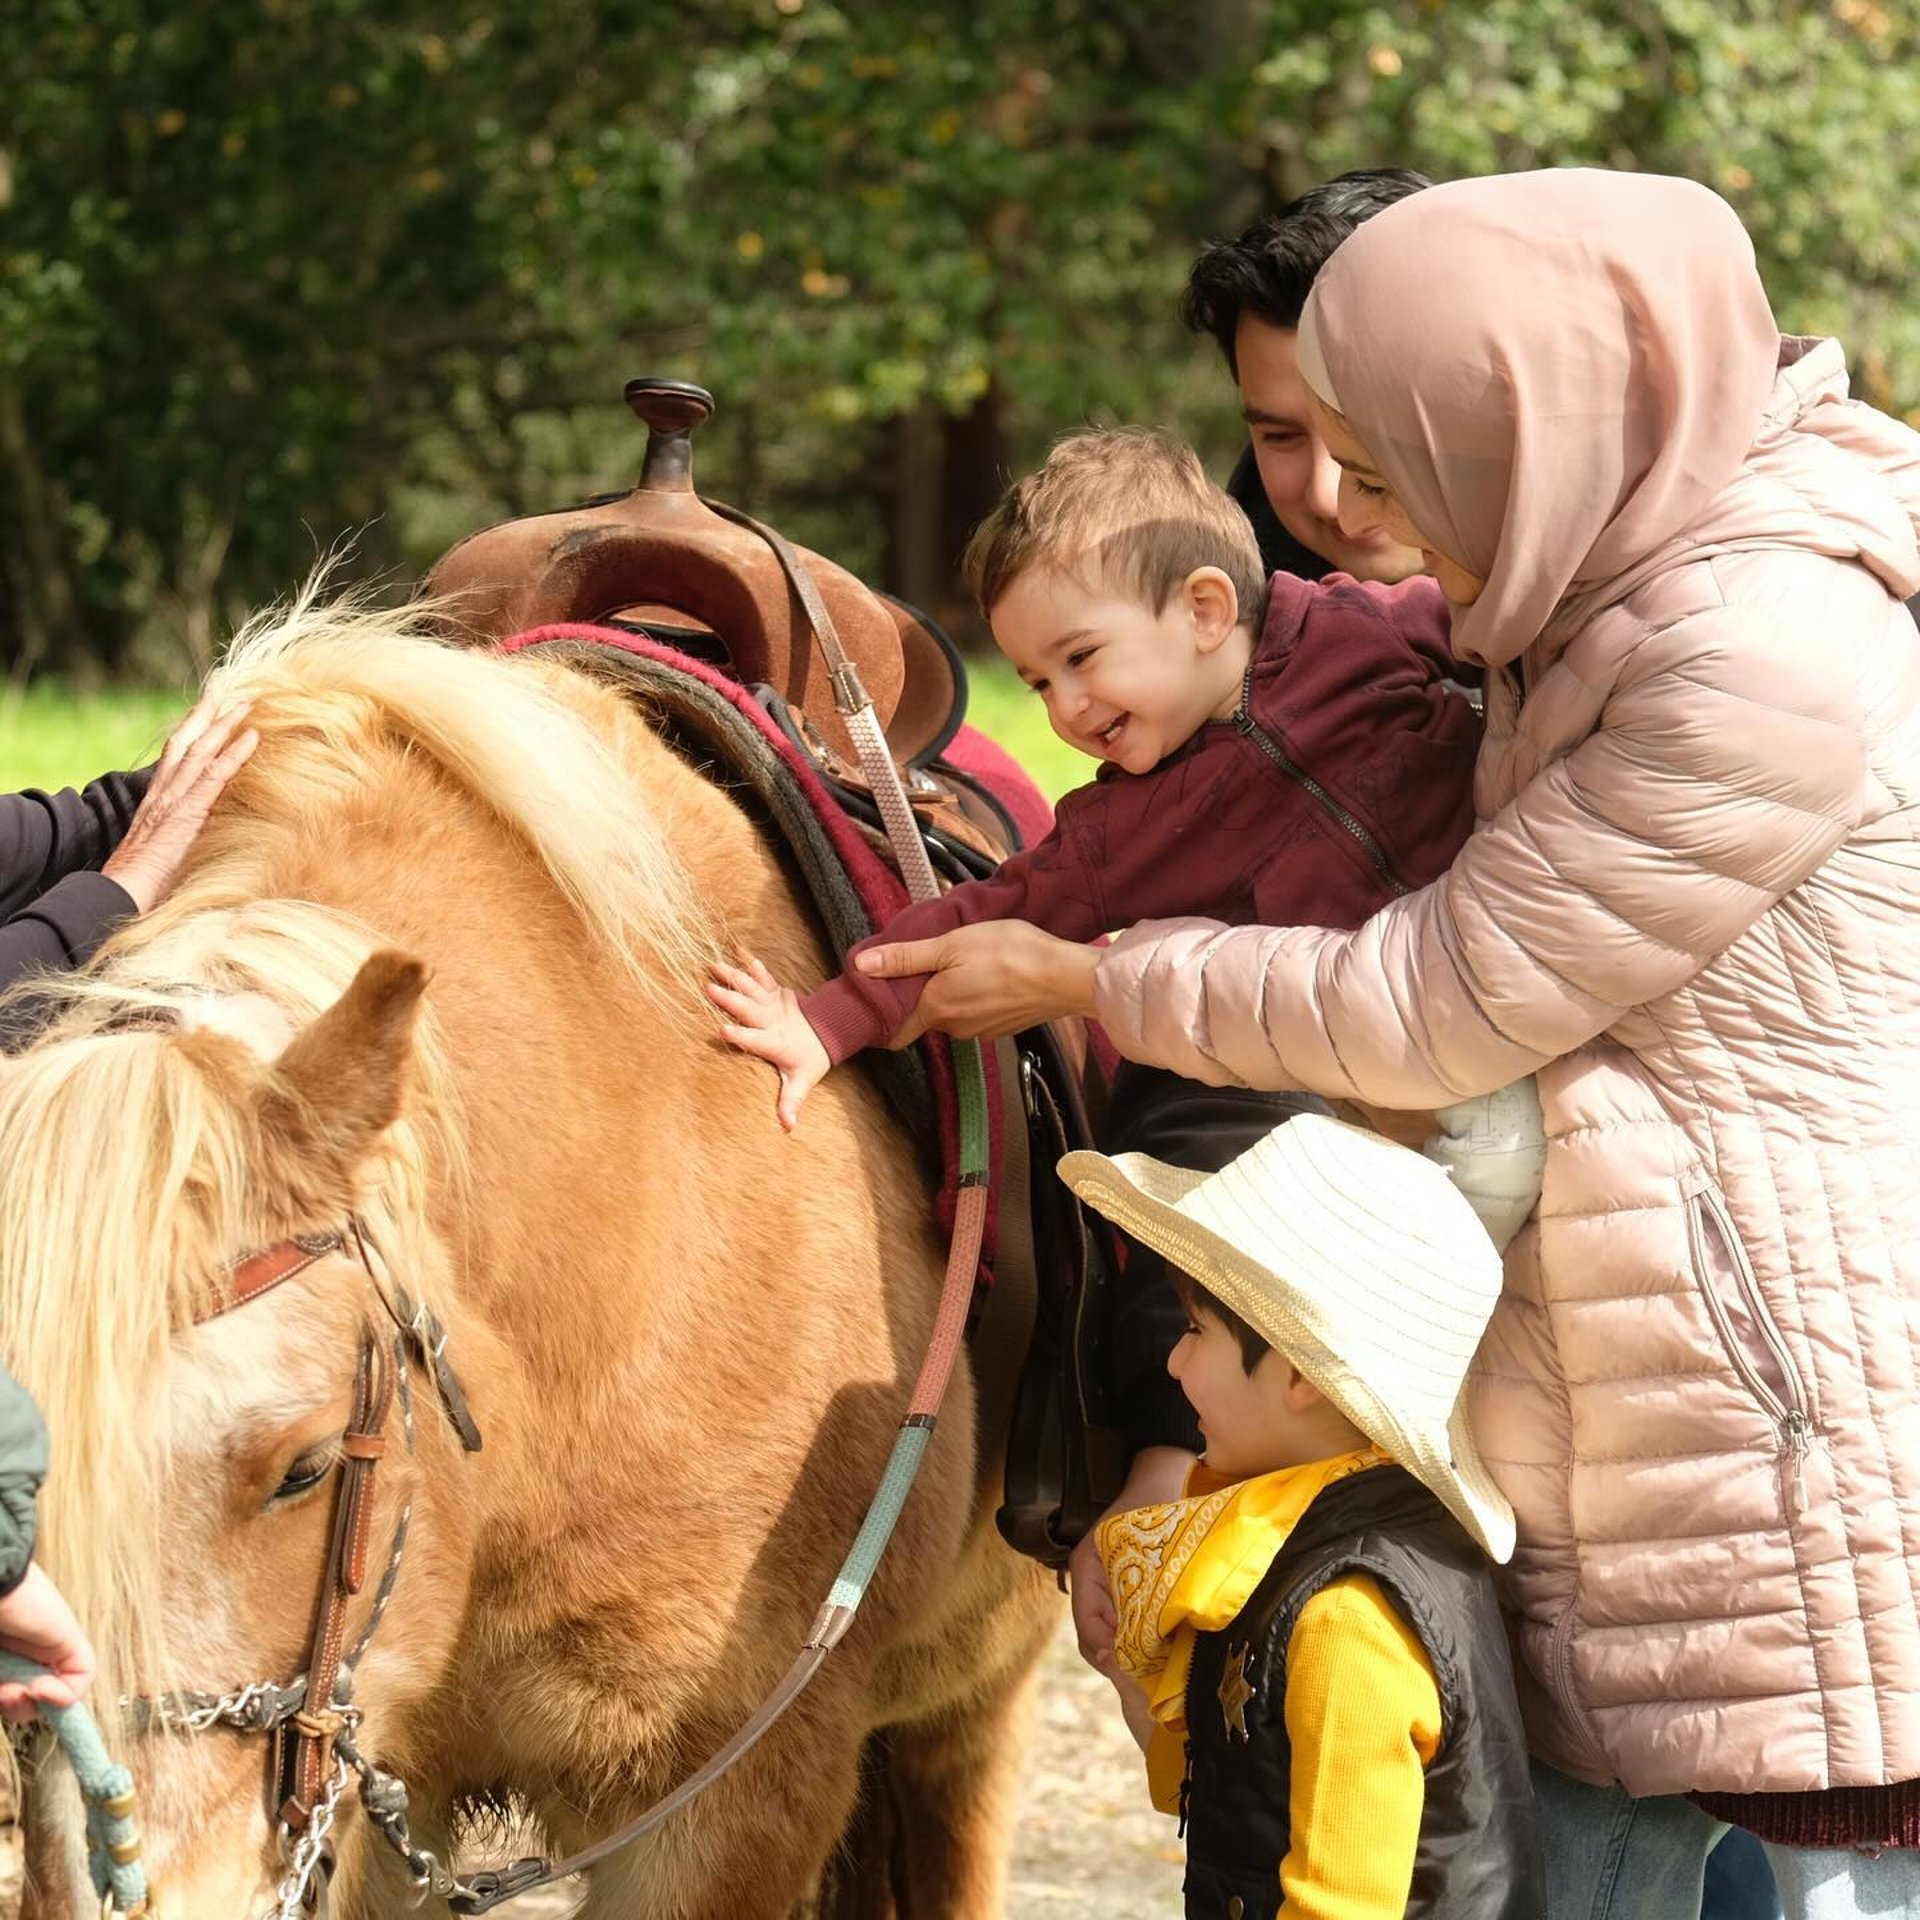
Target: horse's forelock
(130, 1178)
(122, 1177)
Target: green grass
(50, 737)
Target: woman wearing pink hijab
(1692, 907)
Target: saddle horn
(659, 556)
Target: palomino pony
(437, 965)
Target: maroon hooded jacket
(1344, 778)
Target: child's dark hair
(1269, 270)
(1198, 1301)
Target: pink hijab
(1554, 371)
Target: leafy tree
(269, 274)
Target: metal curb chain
(309, 1851)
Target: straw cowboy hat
(1355, 1259)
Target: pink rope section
(956, 1296)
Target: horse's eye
(307, 1472)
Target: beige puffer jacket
(1693, 904)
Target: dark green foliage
(270, 273)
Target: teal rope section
(909, 1448)
(107, 1789)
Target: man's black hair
(1268, 271)
(1198, 1301)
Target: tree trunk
(46, 608)
(947, 472)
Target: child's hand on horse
(766, 1021)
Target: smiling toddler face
(1120, 682)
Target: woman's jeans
(1821, 1883)
(1612, 1857)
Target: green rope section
(970, 1077)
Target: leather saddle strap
(1005, 1325)
(850, 696)
(315, 1726)
(839, 662)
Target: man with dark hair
(1247, 293)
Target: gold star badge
(1235, 1692)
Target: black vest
(1479, 1855)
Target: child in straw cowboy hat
(1320, 1669)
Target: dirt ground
(1088, 1841)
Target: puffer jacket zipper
(1561, 1689)
(1789, 1414)
(1348, 822)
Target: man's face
(1299, 475)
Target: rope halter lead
(106, 1790)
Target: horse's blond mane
(125, 1177)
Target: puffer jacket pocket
(1751, 1337)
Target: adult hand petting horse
(989, 979)
(207, 749)
(37, 1624)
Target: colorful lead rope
(113, 1837)
(950, 1327)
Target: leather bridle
(313, 1715)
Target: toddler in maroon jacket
(1275, 752)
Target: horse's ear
(338, 1086)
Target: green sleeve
(23, 1465)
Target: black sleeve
(1186, 1125)
(46, 836)
(63, 927)
(56, 906)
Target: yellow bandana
(1186, 1567)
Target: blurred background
(275, 273)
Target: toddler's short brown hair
(1132, 505)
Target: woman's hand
(992, 978)
(766, 1022)
(208, 748)
(37, 1624)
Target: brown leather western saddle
(718, 586)
(711, 581)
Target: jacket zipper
(1790, 1415)
(1349, 822)
(1561, 1690)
